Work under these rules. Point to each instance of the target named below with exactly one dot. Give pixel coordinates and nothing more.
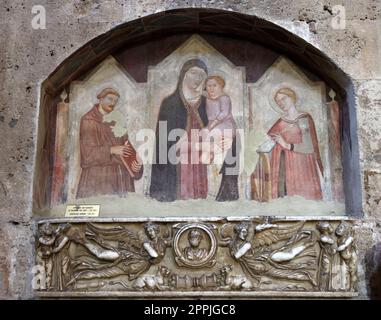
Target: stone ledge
(194, 219)
(220, 294)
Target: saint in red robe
(295, 171)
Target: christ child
(221, 125)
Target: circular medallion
(195, 246)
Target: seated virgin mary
(185, 110)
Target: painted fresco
(198, 138)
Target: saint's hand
(135, 166)
(121, 150)
(279, 139)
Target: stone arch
(227, 24)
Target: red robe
(193, 176)
(102, 173)
(300, 169)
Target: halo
(272, 93)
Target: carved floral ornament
(259, 257)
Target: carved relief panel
(257, 256)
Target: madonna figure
(185, 109)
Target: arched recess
(212, 23)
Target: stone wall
(28, 56)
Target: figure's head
(285, 98)
(242, 230)
(193, 74)
(214, 86)
(108, 98)
(341, 229)
(194, 77)
(46, 229)
(194, 238)
(324, 227)
(152, 230)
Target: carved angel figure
(328, 262)
(132, 255)
(348, 256)
(260, 253)
(52, 254)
